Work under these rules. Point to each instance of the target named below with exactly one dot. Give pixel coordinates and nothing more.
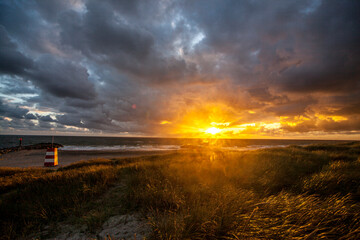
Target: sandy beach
(35, 158)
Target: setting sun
(213, 130)
(234, 119)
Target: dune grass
(273, 193)
(50, 197)
(296, 192)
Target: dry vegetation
(308, 192)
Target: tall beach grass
(309, 192)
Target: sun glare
(213, 130)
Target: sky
(166, 68)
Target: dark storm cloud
(50, 9)
(134, 48)
(292, 108)
(67, 120)
(62, 78)
(316, 51)
(125, 66)
(12, 111)
(11, 60)
(30, 116)
(81, 103)
(333, 34)
(263, 95)
(98, 32)
(13, 85)
(46, 118)
(348, 104)
(23, 23)
(352, 124)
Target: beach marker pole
(51, 157)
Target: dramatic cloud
(177, 68)
(11, 60)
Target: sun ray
(213, 130)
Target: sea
(83, 143)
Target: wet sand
(35, 158)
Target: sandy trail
(35, 158)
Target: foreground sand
(35, 158)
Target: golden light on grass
(306, 183)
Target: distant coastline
(147, 144)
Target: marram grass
(282, 193)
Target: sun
(213, 130)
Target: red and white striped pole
(51, 157)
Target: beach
(35, 158)
(74, 149)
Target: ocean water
(149, 144)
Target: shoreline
(35, 158)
